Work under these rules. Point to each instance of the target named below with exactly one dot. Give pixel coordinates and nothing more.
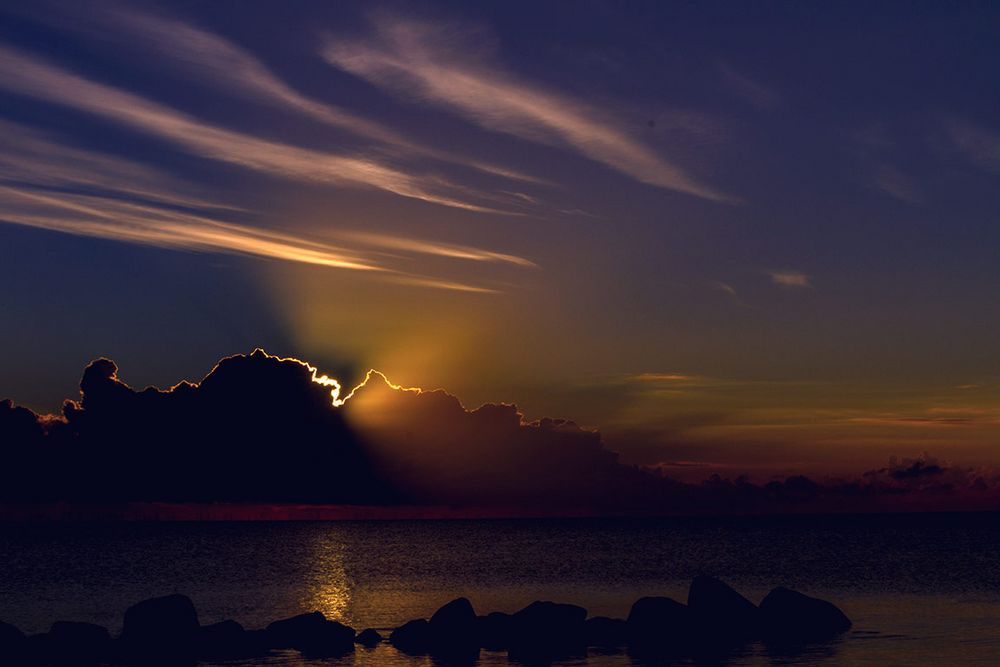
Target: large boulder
(413, 637)
(493, 631)
(451, 635)
(792, 617)
(12, 643)
(163, 629)
(720, 613)
(456, 617)
(545, 631)
(659, 624)
(604, 632)
(228, 640)
(453, 632)
(78, 643)
(369, 638)
(312, 634)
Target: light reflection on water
(329, 590)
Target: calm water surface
(921, 589)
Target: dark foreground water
(921, 589)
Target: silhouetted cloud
(259, 428)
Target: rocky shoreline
(716, 619)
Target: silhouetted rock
(659, 625)
(791, 617)
(162, 629)
(453, 632)
(545, 631)
(312, 634)
(720, 613)
(413, 637)
(493, 631)
(605, 632)
(38, 650)
(12, 642)
(228, 640)
(368, 637)
(455, 618)
(78, 643)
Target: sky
(756, 239)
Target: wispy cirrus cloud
(106, 218)
(449, 250)
(980, 144)
(28, 157)
(33, 77)
(208, 57)
(896, 184)
(757, 94)
(46, 184)
(424, 60)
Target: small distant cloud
(794, 279)
(756, 94)
(662, 377)
(730, 291)
(896, 184)
(979, 144)
(724, 287)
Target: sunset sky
(745, 238)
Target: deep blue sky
(758, 236)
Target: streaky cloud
(896, 184)
(54, 186)
(36, 78)
(978, 143)
(218, 61)
(30, 157)
(423, 60)
(433, 248)
(111, 219)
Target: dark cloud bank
(258, 430)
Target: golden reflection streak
(331, 591)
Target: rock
(38, 650)
(162, 629)
(659, 624)
(604, 632)
(12, 642)
(792, 617)
(493, 631)
(228, 640)
(545, 631)
(78, 643)
(368, 638)
(312, 634)
(413, 637)
(453, 633)
(720, 613)
(455, 618)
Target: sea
(921, 589)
